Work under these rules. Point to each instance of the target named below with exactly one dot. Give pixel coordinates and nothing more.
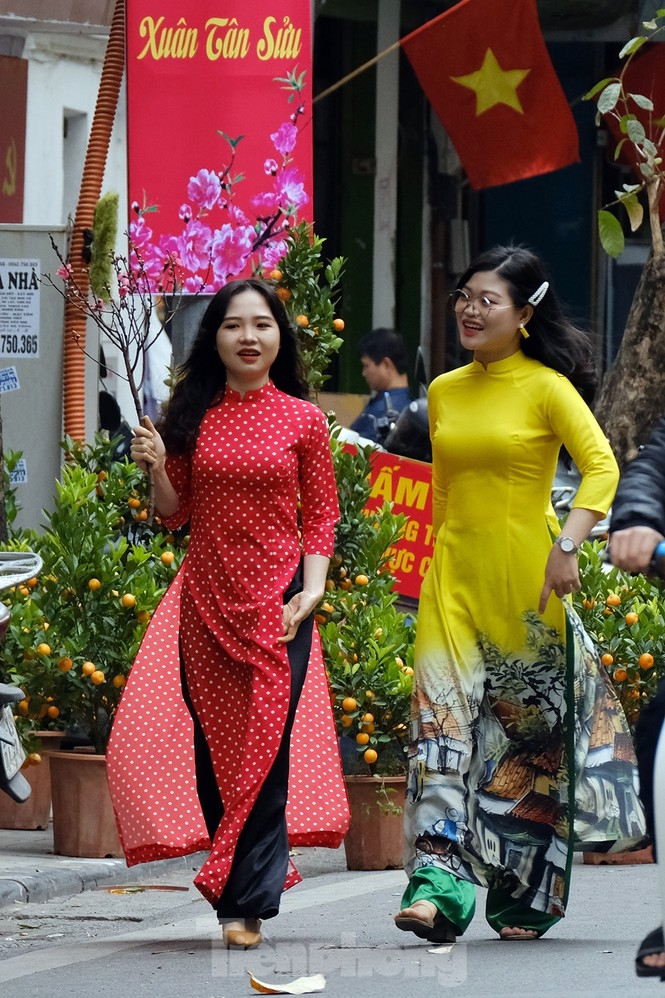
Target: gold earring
(524, 332)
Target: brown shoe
(242, 934)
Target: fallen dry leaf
(301, 986)
(139, 888)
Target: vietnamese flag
(486, 71)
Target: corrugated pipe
(91, 188)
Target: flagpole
(377, 58)
(358, 71)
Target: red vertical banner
(219, 134)
(14, 90)
(407, 484)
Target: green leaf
(632, 46)
(598, 87)
(635, 131)
(634, 209)
(620, 145)
(610, 233)
(642, 101)
(232, 142)
(609, 97)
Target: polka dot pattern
(257, 457)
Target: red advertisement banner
(219, 134)
(408, 485)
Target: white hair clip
(539, 294)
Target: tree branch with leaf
(632, 396)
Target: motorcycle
(15, 567)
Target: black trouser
(261, 858)
(647, 733)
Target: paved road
(336, 923)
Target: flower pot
(35, 812)
(83, 819)
(375, 839)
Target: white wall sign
(19, 308)
(19, 476)
(8, 379)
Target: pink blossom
(147, 265)
(123, 285)
(290, 185)
(230, 250)
(238, 215)
(273, 252)
(265, 204)
(285, 138)
(173, 274)
(194, 285)
(185, 212)
(194, 245)
(140, 232)
(270, 167)
(65, 271)
(204, 189)
(97, 305)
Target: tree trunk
(632, 398)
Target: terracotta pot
(83, 820)
(35, 812)
(375, 840)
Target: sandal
(515, 934)
(434, 928)
(651, 945)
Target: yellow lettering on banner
(429, 535)
(383, 486)
(424, 565)
(411, 530)
(231, 44)
(9, 181)
(402, 561)
(286, 44)
(410, 493)
(168, 43)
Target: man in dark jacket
(384, 368)
(637, 527)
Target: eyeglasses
(460, 301)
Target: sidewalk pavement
(30, 872)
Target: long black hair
(202, 377)
(553, 339)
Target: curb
(37, 886)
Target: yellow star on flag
(494, 85)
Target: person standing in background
(384, 368)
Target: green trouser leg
(503, 911)
(456, 899)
